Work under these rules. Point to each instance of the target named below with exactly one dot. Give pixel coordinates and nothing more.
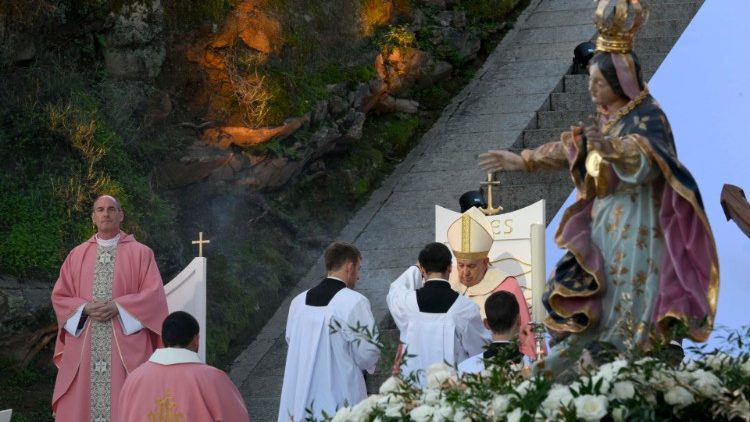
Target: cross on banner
(200, 243)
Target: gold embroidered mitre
(470, 236)
(616, 34)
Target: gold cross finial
(200, 243)
(491, 209)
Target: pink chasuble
(175, 386)
(137, 287)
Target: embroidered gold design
(166, 410)
(465, 233)
(101, 337)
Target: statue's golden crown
(616, 33)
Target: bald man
(110, 304)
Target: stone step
(560, 101)
(576, 83)
(533, 138)
(662, 28)
(558, 119)
(654, 45)
(671, 10)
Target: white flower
(623, 390)
(515, 415)
(460, 416)
(619, 414)
(422, 413)
(430, 396)
(604, 383)
(439, 373)
(394, 409)
(342, 415)
(610, 370)
(558, 396)
(746, 367)
(679, 397)
(500, 405)
(390, 385)
(523, 388)
(590, 408)
(361, 412)
(707, 383)
(662, 380)
(717, 360)
(444, 413)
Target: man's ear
(486, 324)
(195, 343)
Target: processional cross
(490, 210)
(200, 243)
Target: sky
(703, 86)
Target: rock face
(134, 47)
(26, 316)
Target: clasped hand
(596, 140)
(101, 311)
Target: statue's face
(601, 92)
(471, 272)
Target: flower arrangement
(712, 385)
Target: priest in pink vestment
(110, 303)
(174, 385)
(470, 239)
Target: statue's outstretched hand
(501, 160)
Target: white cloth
(326, 356)
(129, 324)
(434, 338)
(173, 356)
(472, 365)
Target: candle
(538, 272)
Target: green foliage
(57, 156)
(395, 36)
(27, 391)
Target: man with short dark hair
(329, 347)
(502, 320)
(175, 385)
(436, 324)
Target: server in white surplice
(436, 323)
(327, 352)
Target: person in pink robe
(174, 385)
(137, 307)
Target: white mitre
(470, 236)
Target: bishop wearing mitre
(470, 239)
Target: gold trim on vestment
(511, 258)
(470, 256)
(465, 233)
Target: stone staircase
(569, 103)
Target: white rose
(679, 397)
(620, 414)
(610, 370)
(422, 413)
(523, 388)
(717, 360)
(590, 408)
(500, 405)
(460, 416)
(662, 380)
(430, 396)
(623, 390)
(361, 412)
(342, 415)
(390, 385)
(437, 374)
(707, 383)
(515, 415)
(558, 396)
(604, 383)
(393, 410)
(444, 413)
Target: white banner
(187, 292)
